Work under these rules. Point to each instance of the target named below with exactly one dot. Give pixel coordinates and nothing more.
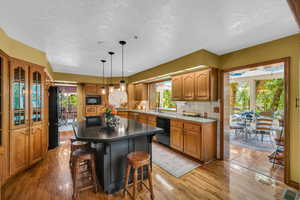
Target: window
(163, 96)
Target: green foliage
(68, 100)
(167, 102)
(270, 97)
(242, 97)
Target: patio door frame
(286, 61)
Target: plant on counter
(110, 119)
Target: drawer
(192, 127)
(144, 121)
(91, 110)
(176, 123)
(152, 118)
(122, 114)
(133, 115)
(143, 116)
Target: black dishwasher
(164, 123)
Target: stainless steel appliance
(93, 100)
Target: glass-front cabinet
(19, 91)
(36, 97)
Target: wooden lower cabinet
(90, 111)
(45, 139)
(192, 143)
(144, 121)
(198, 140)
(122, 114)
(19, 150)
(27, 146)
(36, 143)
(177, 138)
(1, 170)
(152, 123)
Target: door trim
(286, 61)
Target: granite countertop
(173, 116)
(126, 129)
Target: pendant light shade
(122, 82)
(103, 89)
(111, 86)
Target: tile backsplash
(199, 107)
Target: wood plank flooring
(50, 179)
(255, 160)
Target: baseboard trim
(293, 184)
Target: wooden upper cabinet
(206, 85)
(90, 89)
(19, 110)
(198, 86)
(202, 85)
(177, 88)
(37, 85)
(140, 92)
(188, 85)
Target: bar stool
(83, 171)
(77, 145)
(136, 161)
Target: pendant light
(103, 89)
(122, 82)
(111, 86)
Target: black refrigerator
(53, 117)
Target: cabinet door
(1, 169)
(19, 94)
(35, 141)
(177, 88)
(140, 92)
(91, 110)
(144, 121)
(192, 141)
(37, 84)
(177, 138)
(45, 137)
(122, 114)
(90, 89)
(188, 84)
(137, 92)
(202, 85)
(18, 150)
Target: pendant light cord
(122, 63)
(103, 75)
(110, 68)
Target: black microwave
(93, 100)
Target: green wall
(284, 47)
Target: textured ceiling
(68, 30)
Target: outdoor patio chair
(264, 126)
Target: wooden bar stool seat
(83, 171)
(136, 161)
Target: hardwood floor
(255, 160)
(50, 179)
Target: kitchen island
(113, 145)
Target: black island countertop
(113, 145)
(126, 129)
